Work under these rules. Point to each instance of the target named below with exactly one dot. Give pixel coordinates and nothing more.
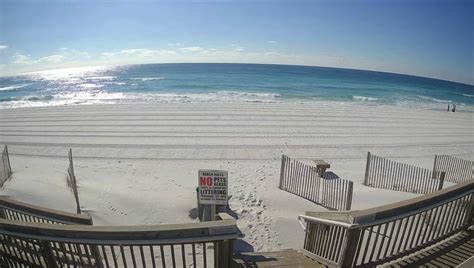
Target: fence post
(74, 183)
(350, 190)
(350, 248)
(367, 165)
(199, 207)
(441, 180)
(282, 170)
(434, 166)
(8, 162)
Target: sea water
(179, 83)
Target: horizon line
(244, 63)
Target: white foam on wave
(67, 98)
(433, 99)
(147, 78)
(108, 78)
(219, 96)
(90, 85)
(363, 98)
(468, 95)
(97, 96)
(90, 96)
(14, 87)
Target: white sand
(137, 164)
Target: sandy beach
(138, 164)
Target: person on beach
(454, 108)
(448, 107)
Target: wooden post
(199, 207)
(282, 170)
(96, 256)
(223, 253)
(441, 180)
(47, 254)
(74, 183)
(348, 253)
(367, 166)
(350, 190)
(2, 213)
(8, 162)
(434, 167)
(213, 212)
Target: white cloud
(138, 53)
(52, 58)
(272, 42)
(21, 59)
(3, 47)
(192, 49)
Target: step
(283, 258)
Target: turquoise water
(157, 83)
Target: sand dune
(137, 164)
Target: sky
(417, 37)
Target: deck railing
(457, 169)
(18, 211)
(303, 180)
(206, 244)
(387, 174)
(379, 235)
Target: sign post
(212, 193)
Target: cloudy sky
(420, 37)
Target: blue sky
(426, 38)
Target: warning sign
(213, 187)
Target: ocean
(200, 82)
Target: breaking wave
(433, 99)
(363, 98)
(14, 87)
(147, 78)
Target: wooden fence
(387, 174)
(376, 236)
(457, 169)
(303, 180)
(5, 166)
(72, 183)
(28, 242)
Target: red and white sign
(213, 187)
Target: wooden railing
(18, 211)
(6, 171)
(387, 174)
(303, 180)
(206, 244)
(379, 235)
(457, 169)
(33, 236)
